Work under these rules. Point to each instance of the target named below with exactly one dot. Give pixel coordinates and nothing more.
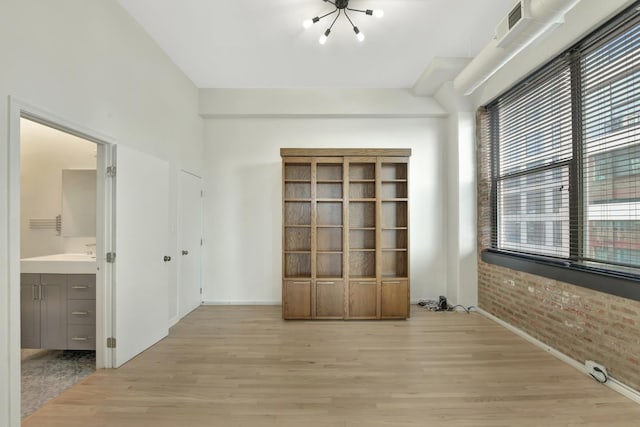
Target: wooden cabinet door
(30, 310)
(394, 299)
(363, 297)
(330, 299)
(54, 311)
(297, 299)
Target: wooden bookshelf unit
(345, 236)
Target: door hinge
(201, 193)
(111, 257)
(111, 171)
(200, 291)
(200, 242)
(111, 342)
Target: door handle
(185, 252)
(80, 313)
(34, 293)
(40, 293)
(167, 258)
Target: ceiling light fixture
(341, 6)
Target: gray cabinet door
(54, 311)
(30, 310)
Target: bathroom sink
(70, 263)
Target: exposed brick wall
(581, 323)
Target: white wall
(89, 63)
(462, 284)
(243, 197)
(44, 153)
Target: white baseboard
(612, 383)
(264, 302)
(174, 320)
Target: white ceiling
(261, 43)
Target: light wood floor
(244, 366)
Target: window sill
(611, 282)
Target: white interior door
(189, 243)
(141, 280)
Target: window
(565, 148)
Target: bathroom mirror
(78, 203)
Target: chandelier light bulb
(324, 37)
(359, 34)
(378, 13)
(307, 23)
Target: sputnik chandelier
(341, 7)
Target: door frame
(105, 227)
(179, 314)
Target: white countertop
(60, 264)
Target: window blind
(533, 148)
(610, 93)
(565, 153)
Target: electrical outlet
(596, 370)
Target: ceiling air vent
(515, 15)
(513, 24)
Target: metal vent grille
(515, 15)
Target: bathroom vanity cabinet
(58, 311)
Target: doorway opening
(57, 261)
(65, 227)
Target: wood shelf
(345, 234)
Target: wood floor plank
(244, 366)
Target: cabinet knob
(185, 252)
(167, 258)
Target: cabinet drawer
(81, 337)
(82, 286)
(81, 312)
